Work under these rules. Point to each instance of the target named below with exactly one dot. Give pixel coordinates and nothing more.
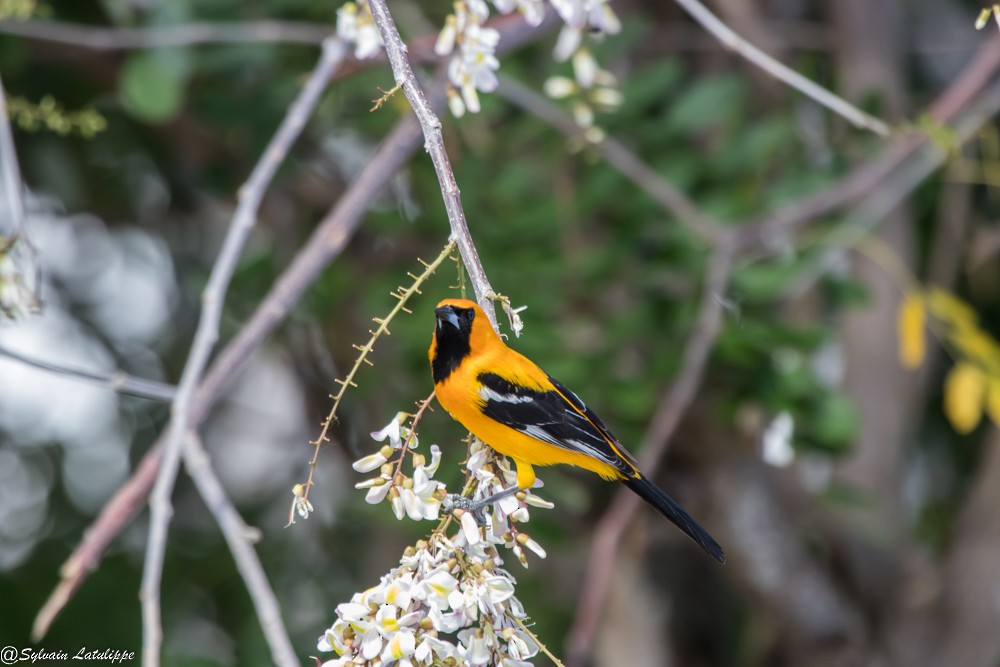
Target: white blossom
(356, 25)
(449, 598)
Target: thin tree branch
(609, 531)
(894, 189)
(240, 537)
(862, 180)
(118, 381)
(326, 243)
(12, 185)
(187, 34)
(14, 240)
(618, 155)
(434, 143)
(783, 73)
(206, 334)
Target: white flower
(455, 104)
(473, 64)
(531, 544)
(568, 42)
(584, 67)
(370, 462)
(391, 431)
(400, 645)
(537, 501)
(356, 25)
(421, 502)
(438, 587)
(445, 43)
(377, 492)
(431, 647)
(499, 588)
(521, 645)
(435, 461)
(476, 645)
(397, 592)
(532, 10)
(470, 529)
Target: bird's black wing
(556, 416)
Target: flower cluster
(473, 63)
(472, 47)
(418, 496)
(17, 298)
(449, 601)
(356, 25)
(592, 87)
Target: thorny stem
(416, 417)
(402, 296)
(541, 647)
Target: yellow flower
(964, 392)
(910, 328)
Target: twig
(618, 155)
(545, 649)
(434, 143)
(731, 40)
(239, 537)
(12, 185)
(327, 242)
(207, 332)
(422, 407)
(187, 34)
(118, 381)
(607, 535)
(862, 180)
(881, 201)
(402, 295)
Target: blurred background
(854, 497)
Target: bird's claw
(477, 508)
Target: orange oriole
(515, 407)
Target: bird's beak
(446, 314)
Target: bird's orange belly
(526, 449)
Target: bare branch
(187, 34)
(207, 332)
(118, 381)
(12, 185)
(434, 143)
(783, 73)
(866, 178)
(327, 242)
(240, 537)
(609, 531)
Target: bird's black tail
(666, 506)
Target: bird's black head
(452, 330)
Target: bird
(508, 402)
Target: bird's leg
(455, 501)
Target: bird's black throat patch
(452, 342)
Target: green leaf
(708, 103)
(764, 281)
(836, 421)
(152, 85)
